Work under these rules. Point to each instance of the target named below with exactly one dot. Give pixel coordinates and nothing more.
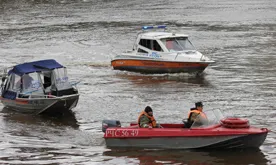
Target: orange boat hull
(150, 66)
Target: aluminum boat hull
(158, 67)
(42, 105)
(212, 142)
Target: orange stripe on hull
(18, 101)
(157, 64)
(147, 66)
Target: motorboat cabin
(38, 86)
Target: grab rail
(176, 56)
(30, 95)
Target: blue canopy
(35, 66)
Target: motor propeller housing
(110, 123)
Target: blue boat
(38, 87)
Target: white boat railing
(37, 96)
(74, 83)
(44, 96)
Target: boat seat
(23, 96)
(10, 95)
(133, 123)
(68, 91)
(186, 123)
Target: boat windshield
(213, 117)
(178, 44)
(31, 83)
(61, 79)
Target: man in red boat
(146, 119)
(193, 116)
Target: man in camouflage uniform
(146, 119)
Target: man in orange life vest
(193, 116)
(146, 119)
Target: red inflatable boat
(217, 132)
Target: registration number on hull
(122, 133)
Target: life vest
(198, 112)
(153, 121)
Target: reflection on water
(158, 157)
(65, 119)
(183, 78)
(37, 139)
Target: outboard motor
(110, 123)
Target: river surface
(84, 34)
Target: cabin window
(150, 44)
(186, 43)
(156, 46)
(142, 51)
(15, 82)
(17, 85)
(8, 83)
(61, 79)
(31, 82)
(46, 79)
(178, 44)
(145, 43)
